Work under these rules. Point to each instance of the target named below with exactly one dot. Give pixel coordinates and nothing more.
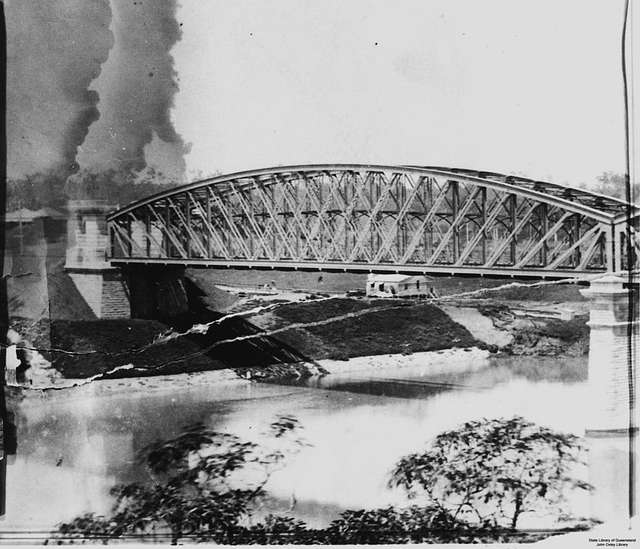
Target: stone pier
(136, 291)
(102, 287)
(612, 415)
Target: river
(75, 444)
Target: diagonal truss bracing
(367, 218)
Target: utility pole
(629, 69)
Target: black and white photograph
(303, 272)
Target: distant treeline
(613, 184)
(119, 187)
(53, 189)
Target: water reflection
(73, 447)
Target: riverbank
(426, 363)
(290, 338)
(539, 331)
(270, 336)
(81, 387)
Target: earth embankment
(290, 333)
(294, 327)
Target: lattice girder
(377, 218)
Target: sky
(527, 87)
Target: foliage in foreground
(476, 482)
(491, 472)
(196, 489)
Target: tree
(117, 187)
(206, 485)
(613, 184)
(53, 188)
(36, 190)
(196, 489)
(490, 472)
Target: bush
(277, 530)
(566, 330)
(390, 525)
(196, 491)
(475, 478)
(490, 472)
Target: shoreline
(431, 362)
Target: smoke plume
(91, 84)
(54, 51)
(136, 88)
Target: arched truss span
(378, 218)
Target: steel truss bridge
(366, 218)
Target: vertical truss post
(112, 240)
(187, 218)
(268, 196)
(129, 247)
(277, 249)
(251, 212)
(350, 183)
(301, 194)
(209, 224)
(377, 178)
(619, 248)
(609, 246)
(319, 182)
(374, 196)
(513, 216)
(455, 209)
(167, 222)
(483, 210)
(402, 227)
(602, 248)
(428, 230)
(295, 205)
(544, 223)
(147, 233)
(576, 236)
(281, 216)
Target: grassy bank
(336, 329)
(375, 327)
(83, 349)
